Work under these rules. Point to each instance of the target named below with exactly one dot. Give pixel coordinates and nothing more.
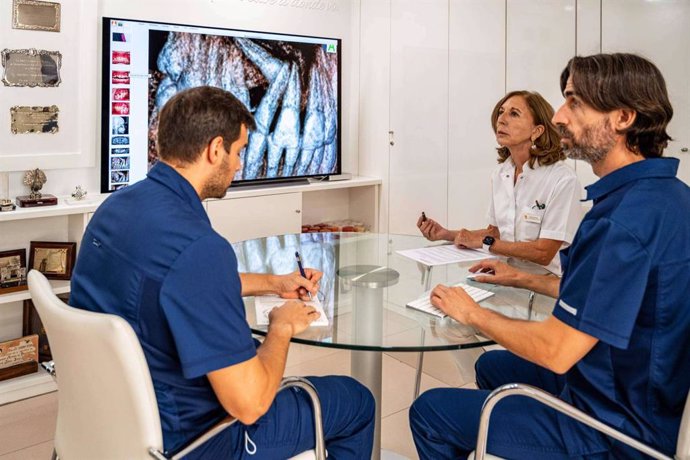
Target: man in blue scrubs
(151, 256)
(617, 345)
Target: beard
(596, 142)
(217, 186)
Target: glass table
(364, 290)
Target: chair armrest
(287, 382)
(304, 384)
(513, 389)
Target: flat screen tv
(290, 83)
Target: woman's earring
(534, 146)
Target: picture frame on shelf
(54, 259)
(18, 357)
(32, 325)
(13, 271)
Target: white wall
(329, 18)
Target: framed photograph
(54, 260)
(12, 270)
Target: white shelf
(263, 190)
(26, 386)
(60, 209)
(59, 287)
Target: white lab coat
(544, 202)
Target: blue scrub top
(150, 255)
(626, 281)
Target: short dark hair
(625, 81)
(193, 117)
(548, 146)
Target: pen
(301, 270)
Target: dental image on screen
(291, 88)
(289, 83)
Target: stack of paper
(445, 254)
(423, 303)
(265, 303)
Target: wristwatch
(487, 242)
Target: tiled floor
(27, 427)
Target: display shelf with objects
(265, 210)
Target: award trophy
(35, 179)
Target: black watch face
(488, 240)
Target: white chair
(106, 403)
(512, 389)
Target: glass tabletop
(365, 289)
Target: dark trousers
(445, 421)
(287, 429)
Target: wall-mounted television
(290, 83)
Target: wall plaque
(34, 119)
(36, 15)
(31, 67)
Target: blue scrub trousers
(445, 421)
(287, 429)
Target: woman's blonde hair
(548, 146)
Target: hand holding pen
(301, 281)
(301, 271)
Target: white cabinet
(476, 69)
(254, 217)
(247, 213)
(418, 174)
(658, 31)
(451, 60)
(540, 39)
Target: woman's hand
(432, 230)
(468, 239)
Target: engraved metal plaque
(34, 119)
(31, 67)
(36, 15)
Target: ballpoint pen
(301, 271)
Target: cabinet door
(540, 39)
(418, 173)
(477, 81)
(659, 32)
(239, 219)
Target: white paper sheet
(445, 254)
(265, 303)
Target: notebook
(423, 303)
(263, 305)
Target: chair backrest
(683, 444)
(107, 405)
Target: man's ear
(623, 119)
(215, 150)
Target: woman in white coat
(535, 201)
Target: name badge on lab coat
(532, 217)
